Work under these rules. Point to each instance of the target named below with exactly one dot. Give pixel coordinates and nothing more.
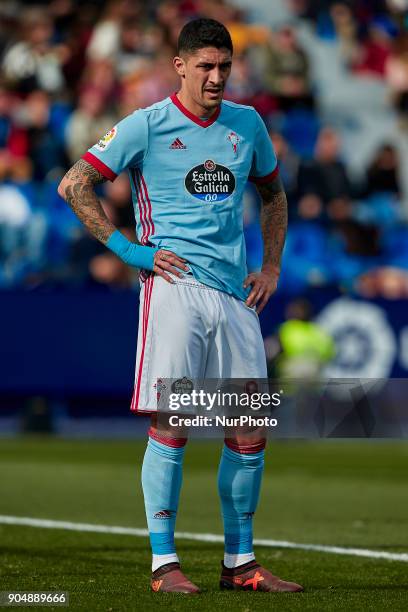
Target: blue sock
(161, 482)
(239, 483)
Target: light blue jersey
(188, 177)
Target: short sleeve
(264, 163)
(123, 146)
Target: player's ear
(180, 66)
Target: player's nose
(215, 77)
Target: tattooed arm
(274, 221)
(78, 189)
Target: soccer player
(188, 158)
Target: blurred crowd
(71, 70)
(373, 37)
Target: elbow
(61, 188)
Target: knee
(245, 447)
(161, 431)
(246, 441)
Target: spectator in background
(383, 172)
(34, 61)
(144, 86)
(100, 75)
(301, 347)
(288, 164)
(397, 77)
(88, 123)
(375, 50)
(8, 18)
(247, 37)
(15, 213)
(241, 87)
(23, 225)
(13, 138)
(133, 53)
(384, 282)
(168, 13)
(346, 29)
(45, 146)
(74, 28)
(287, 71)
(357, 239)
(309, 9)
(118, 201)
(105, 40)
(325, 176)
(245, 84)
(310, 207)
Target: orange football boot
(253, 577)
(170, 579)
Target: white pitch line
(199, 537)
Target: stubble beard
(211, 104)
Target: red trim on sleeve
(96, 163)
(193, 117)
(259, 180)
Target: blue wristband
(131, 253)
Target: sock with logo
(161, 483)
(239, 483)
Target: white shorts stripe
(148, 287)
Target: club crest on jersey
(159, 386)
(104, 142)
(182, 385)
(210, 182)
(234, 140)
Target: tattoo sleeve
(77, 188)
(274, 222)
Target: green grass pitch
(341, 493)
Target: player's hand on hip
(263, 284)
(167, 261)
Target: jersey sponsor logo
(210, 182)
(104, 142)
(177, 144)
(234, 140)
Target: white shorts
(188, 329)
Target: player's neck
(194, 108)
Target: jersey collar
(193, 117)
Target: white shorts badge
(104, 142)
